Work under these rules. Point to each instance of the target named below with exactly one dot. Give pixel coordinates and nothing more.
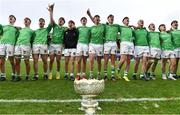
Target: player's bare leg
(44, 58)
(91, 59)
(35, 66)
(66, 67)
(52, 57)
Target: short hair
(150, 24)
(141, 20)
(125, 18)
(12, 16)
(174, 21)
(110, 15)
(41, 19)
(62, 18)
(71, 21)
(83, 18)
(26, 18)
(160, 26)
(96, 16)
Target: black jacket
(70, 38)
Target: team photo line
(146, 46)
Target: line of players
(93, 42)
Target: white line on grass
(79, 100)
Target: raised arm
(89, 14)
(50, 9)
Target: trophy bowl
(89, 89)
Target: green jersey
(58, 34)
(25, 36)
(154, 40)
(111, 32)
(84, 34)
(1, 29)
(40, 36)
(140, 35)
(9, 35)
(97, 34)
(166, 41)
(176, 37)
(126, 34)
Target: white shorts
(55, 49)
(6, 50)
(82, 49)
(140, 51)
(40, 49)
(70, 52)
(155, 52)
(96, 49)
(110, 47)
(22, 50)
(127, 48)
(168, 54)
(177, 52)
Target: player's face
(71, 25)
(152, 27)
(41, 23)
(111, 19)
(126, 21)
(96, 20)
(162, 28)
(175, 25)
(84, 21)
(140, 23)
(27, 22)
(61, 22)
(12, 20)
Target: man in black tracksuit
(70, 43)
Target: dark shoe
(134, 77)
(35, 78)
(113, 78)
(144, 78)
(72, 78)
(99, 77)
(45, 77)
(2, 78)
(13, 77)
(66, 77)
(27, 78)
(18, 78)
(106, 78)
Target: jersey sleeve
(1, 29)
(49, 28)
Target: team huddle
(95, 42)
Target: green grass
(61, 89)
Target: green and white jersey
(84, 34)
(111, 32)
(1, 31)
(166, 41)
(140, 35)
(40, 36)
(58, 34)
(9, 35)
(176, 37)
(126, 34)
(154, 39)
(25, 36)
(97, 34)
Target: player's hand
(88, 12)
(50, 7)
